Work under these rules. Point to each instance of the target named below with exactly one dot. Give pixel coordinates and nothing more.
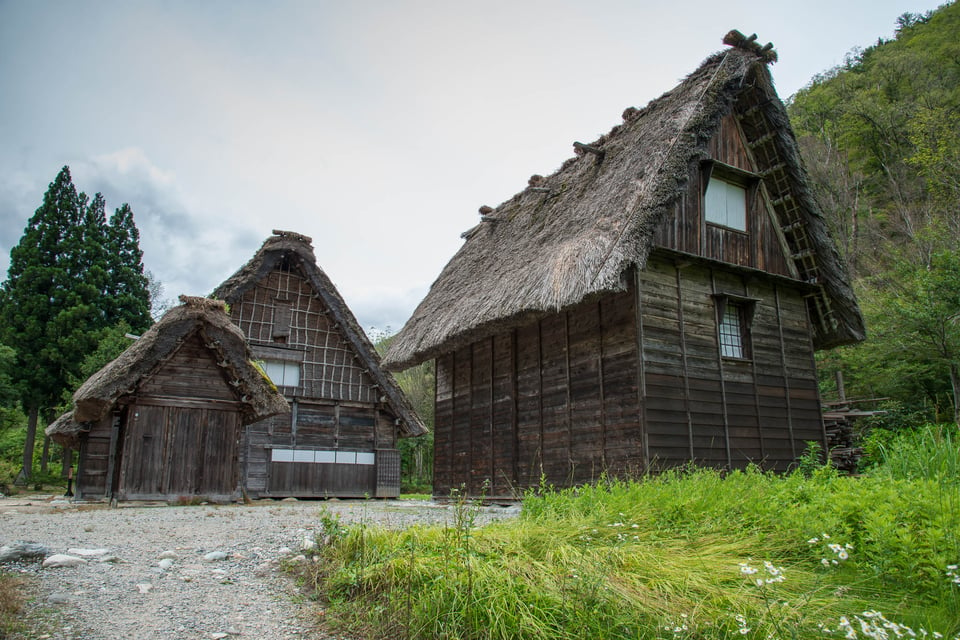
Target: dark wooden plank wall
(323, 426)
(94, 460)
(568, 397)
(191, 372)
(557, 399)
(724, 411)
(171, 452)
(687, 231)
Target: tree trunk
(27, 469)
(45, 456)
(66, 462)
(955, 385)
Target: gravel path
(158, 576)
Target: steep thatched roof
(95, 397)
(575, 233)
(297, 250)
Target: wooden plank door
(142, 458)
(173, 452)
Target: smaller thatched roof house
(162, 420)
(347, 412)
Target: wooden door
(175, 452)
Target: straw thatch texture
(95, 397)
(297, 250)
(575, 233)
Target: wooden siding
(94, 465)
(573, 396)
(686, 230)
(172, 452)
(533, 403)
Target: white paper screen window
(726, 204)
(282, 372)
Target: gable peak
(737, 40)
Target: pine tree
(72, 278)
(128, 291)
(35, 305)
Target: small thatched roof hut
(207, 318)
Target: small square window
(725, 203)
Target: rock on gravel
(124, 593)
(62, 560)
(22, 550)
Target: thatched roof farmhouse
(193, 374)
(347, 411)
(621, 253)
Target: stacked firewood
(841, 440)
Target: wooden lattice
(330, 368)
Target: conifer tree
(72, 277)
(35, 306)
(128, 292)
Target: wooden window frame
(745, 307)
(750, 182)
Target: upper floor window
(725, 203)
(282, 373)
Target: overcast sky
(377, 128)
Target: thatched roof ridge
(298, 250)
(575, 233)
(208, 318)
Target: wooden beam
(586, 148)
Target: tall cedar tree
(60, 294)
(129, 292)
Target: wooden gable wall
(335, 408)
(760, 247)
(284, 311)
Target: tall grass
(688, 554)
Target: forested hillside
(881, 141)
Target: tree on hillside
(881, 138)
(59, 296)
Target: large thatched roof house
(347, 412)
(163, 420)
(656, 300)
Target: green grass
(672, 556)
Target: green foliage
(416, 454)
(71, 276)
(881, 137)
(672, 556)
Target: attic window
(727, 194)
(282, 373)
(725, 204)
